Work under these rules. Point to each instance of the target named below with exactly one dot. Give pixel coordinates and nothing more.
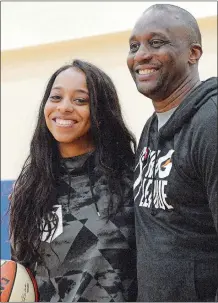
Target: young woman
(71, 211)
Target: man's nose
(143, 54)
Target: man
(176, 166)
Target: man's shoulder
(147, 124)
(212, 101)
(145, 130)
(207, 111)
(204, 122)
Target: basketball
(17, 283)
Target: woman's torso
(93, 258)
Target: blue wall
(6, 187)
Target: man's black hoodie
(176, 204)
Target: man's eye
(157, 43)
(55, 98)
(134, 47)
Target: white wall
(35, 23)
(25, 73)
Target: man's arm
(207, 158)
(205, 147)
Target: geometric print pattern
(94, 259)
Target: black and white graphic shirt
(151, 174)
(175, 198)
(90, 258)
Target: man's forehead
(151, 28)
(156, 22)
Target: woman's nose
(65, 106)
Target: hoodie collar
(76, 163)
(190, 105)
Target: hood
(77, 164)
(191, 104)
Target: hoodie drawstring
(69, 188)
(91, 183)
(153, 209)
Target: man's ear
(195, 53)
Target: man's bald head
(181, 17)
(165, 47)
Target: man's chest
(165, 177)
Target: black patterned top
(90, 258)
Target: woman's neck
(80, 147)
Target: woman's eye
(80, 101)
(156, 43)
(134, 47)
(55, 98)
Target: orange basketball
(17, 283)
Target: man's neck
(177, 96)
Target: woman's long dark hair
(35, 191)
